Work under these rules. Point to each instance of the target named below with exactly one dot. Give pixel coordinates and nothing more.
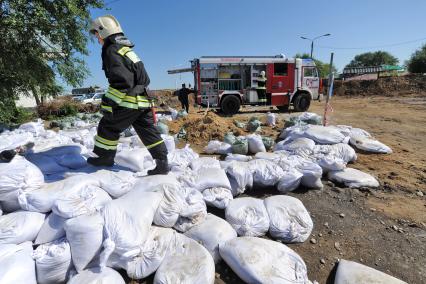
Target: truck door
(280, 78)
(311, 81)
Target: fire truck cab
(227, 82)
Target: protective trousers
(112, 125)
(185, 103)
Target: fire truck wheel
(230, 104)
(302, 102)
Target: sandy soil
(384, 228)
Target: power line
(376, 46)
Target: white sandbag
(270, 119)
(169, 141)
(13, 140)
(218, 147)
(330, 163)
(204, 162)
(289, 181)
(115, 183)
(255, 143)
(84, 201)
(323, 134)
(17, 264)
(84, 234)
(181, 157)
(298, 143)
(186, 262)
(194, 211)
(267, 156)
(127, 221)
(369, 144)
(240, 177)
(289, 219)
(170, 206)
(339, 151)
(312, 174)
(145, 183)
(18, 175)
(265, 173)
(350, 272)
(212, 232)
(257, 260)
(218, 197)
(53, 262)
(148, 257)
(353, 178)
(36, 128)
(51, 230)
(211, 177)
(248, 216)
(20, 226)
(43, 199)
(238, 157)
(97, 276)
(137, 160)
(10, 205)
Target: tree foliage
(417, 61)
(323, 68)
(373, 59)
(42, 39)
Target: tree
(373, 59)
(323, 68)
(417, 61)
(42, 39)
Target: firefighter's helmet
(262, 73)
(105, 26)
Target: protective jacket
(261, 83)
(126, 75)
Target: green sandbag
(239, 124)
(268, 142)
(240, 146)
(162, 128)
(254, 125)
(182, 133)
(181, 113)
(229, 138)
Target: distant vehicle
(94, 99)
(227, 82)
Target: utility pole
(312, 42)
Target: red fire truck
(227, 82)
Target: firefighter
(261, 88)
(126, 101)
(183, 97)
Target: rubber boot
(103, 161)
(162, 168)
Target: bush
(7, 110)
(23, 115)
(63, 106)
(417, 62)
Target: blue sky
(168, 33)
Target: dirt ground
(384, 228)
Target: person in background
(183, 96)
(126, 102)
(261, 88)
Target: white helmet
(262, 73)
(105, 26)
